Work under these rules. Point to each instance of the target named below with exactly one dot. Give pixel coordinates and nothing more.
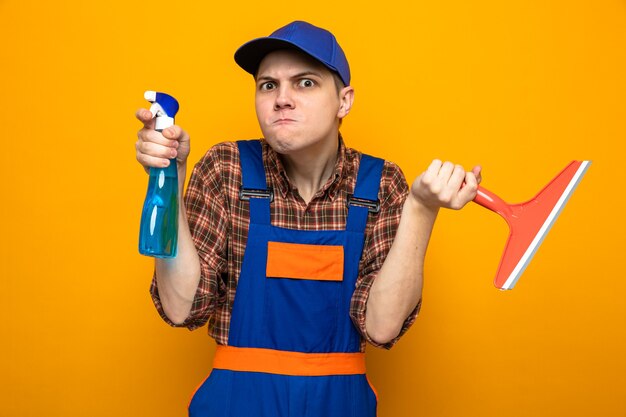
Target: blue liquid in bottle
(158, 232)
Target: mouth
(283, 121)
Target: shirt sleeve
(380, 235)
(208, 223)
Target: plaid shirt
(218, 221)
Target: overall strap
(365, 197)
(254, 186)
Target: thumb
(477, 171)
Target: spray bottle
(158, 231)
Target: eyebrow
(298, 75)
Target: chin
(281, 146)
(282, 142)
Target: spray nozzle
(164, 108)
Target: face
(297, 103)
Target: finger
(174, 132)
(434, 166)
(431, 172)
(456, 178)
(468, 192)
(149, 135)
(146, 117)
(155, 150)
(149, 161)
(477, 171)
(446, 171)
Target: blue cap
(316, 42)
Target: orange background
(521, 87)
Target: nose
(284, 98)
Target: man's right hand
(177, 278)
(155, 149)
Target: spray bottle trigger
(156, 110)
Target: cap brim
(250, 54)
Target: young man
(296, 249)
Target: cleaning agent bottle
(158, 231)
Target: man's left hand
(445, 184)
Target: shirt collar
(281, 180)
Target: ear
(346, 98)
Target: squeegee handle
(491, 201)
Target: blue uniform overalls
(293, 350)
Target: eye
(266, 86)
(305, 82)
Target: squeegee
(529, 222)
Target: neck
(309, 170)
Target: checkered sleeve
(208, 223)
(379, 238)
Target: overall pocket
(302, 295)
(213, 396)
